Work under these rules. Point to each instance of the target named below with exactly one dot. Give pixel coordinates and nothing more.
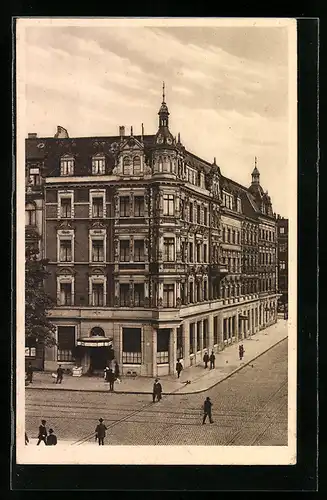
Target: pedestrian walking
(60, 374)
(207, 405)
(241, 351)
(212, 360)
(206, 360)
(100, 432)
(111, 379)
(51, 438)
(42, 436)
(26, 439)
(116, 371)
(179, 368)
(157, 391)
(29, 373)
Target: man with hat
(42, 433)
(100, 432)
(207, 410)
(157, 390)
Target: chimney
(122, 131)
(32, 136)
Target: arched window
(30, 214)
(136, 165)
(67, 165)
(98, 165)
(160, 163)
(97, 332)
(126, 165)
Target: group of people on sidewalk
(48, 438)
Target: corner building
(154, 255)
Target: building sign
(92, 342)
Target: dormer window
(126, 165)
(34, 176)
(98, 165)
(67, 165)
(238, 205)
(136, 165)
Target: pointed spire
(255, 162)
(179, 137)
(142, 131)
(163, 91)
(214, 161)
(131, 130)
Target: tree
(38, 326)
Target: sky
(226, 90)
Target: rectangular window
(198, 214)
(205, 256)
(132, 353)
(183, 209)
(183, 249)
(191, 212)
(169, 249)
(205, 290)
(66, 343)
(124, 206)
(168, 204)
(191, 338)
(124, 295)
(98, 166)
(124, 251)
(65, 207)
(198, 335)
(228, 236)
(168, 295)
(190, 252)
(163, 335)
(191, 292)
(139, 206)
(182, 291)
(65, 294)
(282, 265)
(198, 252)
(282, 230)
(215, 330)
(97, 294)
(138, 250)
(34, 177)
(205, 216)
(65, 251)
(224, 234)
(205, 334)
(97, 251)
(97, 207)
(139, 294)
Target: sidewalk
(227, 363)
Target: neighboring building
(34, 224)
(154, 255)
(282, 232)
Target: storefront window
(66, 343)
(132, 353)
(163, 345)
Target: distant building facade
(153, 254)
(282, 239)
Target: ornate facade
(154, 255)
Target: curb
(175, 393)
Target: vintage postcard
(156, 262)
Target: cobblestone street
(249, 408)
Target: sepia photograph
(157, 259)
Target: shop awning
(94, 342)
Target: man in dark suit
(207, 411)
(157, 390)
(42, 433)
(100, 432)
(29, 373)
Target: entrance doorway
(98, 359)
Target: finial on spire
(179, 137)
(214, 161)
(132, 130)
(163, 91)
(255, 162)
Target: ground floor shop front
(142, 346)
